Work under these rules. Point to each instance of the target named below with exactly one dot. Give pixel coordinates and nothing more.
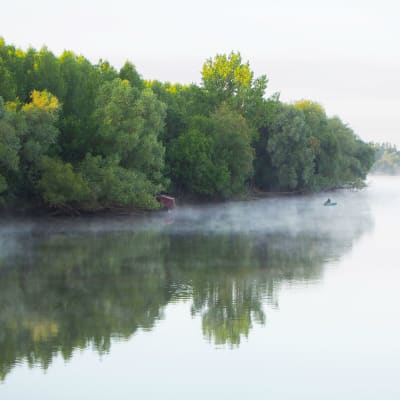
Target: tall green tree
(193, 169)
(47, 73)
(129, 73)
(264, 172)
(322, 142)
(129, 125)
(291, 154)
(82, 82)
(214, 158)
(9, 146)
(229, 80)
(232, 147)
(38, 138)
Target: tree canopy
(85, 136)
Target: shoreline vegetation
(77, 137)
(387, 160)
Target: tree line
(387, 159)
(85, 136)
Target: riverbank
(41, 210)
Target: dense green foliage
(82, 136)
(387, 159)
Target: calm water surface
(276, 298)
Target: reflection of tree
(228, 307)
(66, 292)
(231, 275)
(73, 292)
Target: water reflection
(71, 284)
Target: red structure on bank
(167, 202)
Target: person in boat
(328, 202)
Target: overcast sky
(343, 54)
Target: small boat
(329, 202)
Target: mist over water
(199, 287)
(289, 214)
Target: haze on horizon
(343, 54)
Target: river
(278, 298)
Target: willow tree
(290, 151)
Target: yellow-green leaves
(43, 100)
(227, 79)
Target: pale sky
(343, 54)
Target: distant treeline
(387, 159)
(80, 136)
